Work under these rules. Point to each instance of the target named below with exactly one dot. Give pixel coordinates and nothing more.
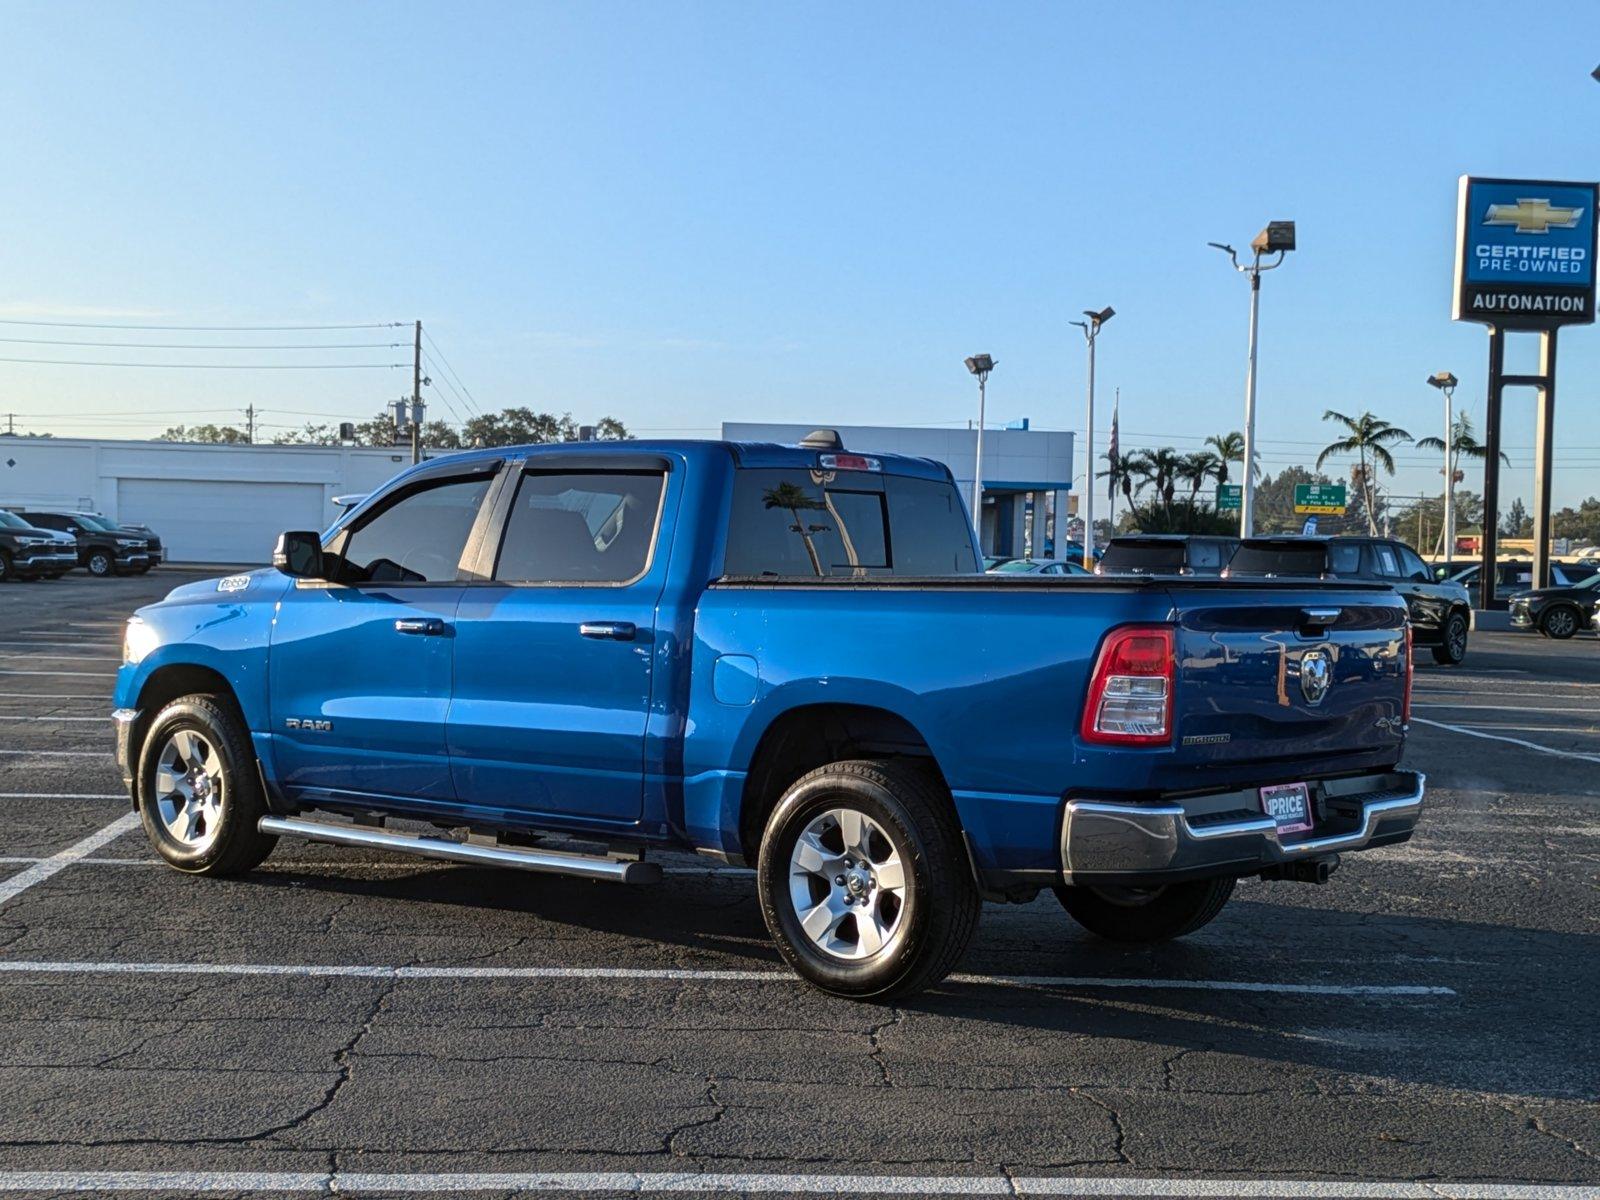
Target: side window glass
(418, 538)
(581, 527)
(1344, 559)
(929, 528)
(1388, 564)
(788, 523)
(1413, 566)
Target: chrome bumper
(1124, 843)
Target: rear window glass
(805, 523)
(1345, 559)
(1278, 559)
(1208, 555)
(1156, 557)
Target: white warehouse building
(1027, 473)
(208, 504)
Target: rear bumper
(1112, 842)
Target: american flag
(1111, 450)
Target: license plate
(1289, 804)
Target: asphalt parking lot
(348, 1022)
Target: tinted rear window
(1156, 557)
(1278, 559)
(789, 523)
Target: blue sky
(679, 214)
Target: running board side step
(553, 862)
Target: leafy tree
(206, 434)
(1517, 522)
(1159, 468)
(1368, 437)
(1182, 516)
(1463, 444)
(1123, 474)
(309, 435)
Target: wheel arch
(802, 738)
(167, 684)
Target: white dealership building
(208, 504)
(1027, 473)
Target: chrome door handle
(427, 626)
(615, 631)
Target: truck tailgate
(1292, 671)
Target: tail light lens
(1130, 692)
(1405, 705)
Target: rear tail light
(1405, 705)
(1130, 692)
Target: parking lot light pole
(1091, 331)
(1446, 383)
(980, 365)
(1277, 238)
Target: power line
(444, 379)
(469, 398)
(195, 328)
(78, 362)
(208, 346)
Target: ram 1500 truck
(565, 657)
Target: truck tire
(7, 572)
(1452, 648)
(1146, 915)
(199, 794)
(100, 563)
(864, 882)
(1560, 621)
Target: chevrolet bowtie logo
(1533, 216)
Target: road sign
(1326, 499)
(1525, 252)
(1230, 495)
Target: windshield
(12, 521)
(99, 523)
(1278, 558)
(1017, 566)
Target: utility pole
(416, 398)
(250, 425)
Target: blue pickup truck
(562, 658)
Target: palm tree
(794, 498)
(1123, 472)
(1369, 437)
(1160, 468)
(1194, 469)
(1229, 448)
(1463, 444)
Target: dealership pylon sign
(1525, 252)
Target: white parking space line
(55, 754)
(67, 674)
(79, 644)
(1571, 730)
(743, 1183)
(97, 697)
(14, 717)
(696, 974)
(1495, 737)
(16, 656)
(407, 863)
(63, 795)
(1500, 708)
(39, 872)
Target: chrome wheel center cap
(857, 882)
(202, 785)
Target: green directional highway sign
(1230, 495)
(1323, 499)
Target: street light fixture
(980, 365)
(1091, 331)
(1446, 383)
(1276, 239)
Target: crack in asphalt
(877, 1050)
(718, 1111)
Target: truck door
(359, 669)
(555, 648)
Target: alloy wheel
(190, 789)
(848, 885)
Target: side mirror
(299, 554)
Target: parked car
(1038, 566)
(1441, 613)
(152, 542)
(785, 656)
(102, 548)
(991, 561)
(1166, 554)
(1559, 611)
(28, 552)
